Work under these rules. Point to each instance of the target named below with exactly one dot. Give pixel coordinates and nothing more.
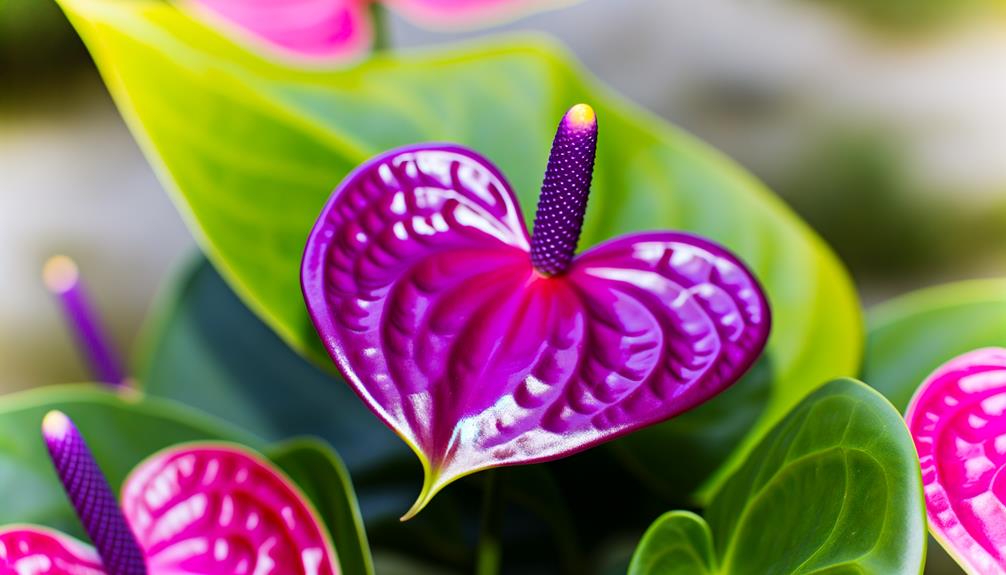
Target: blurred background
(883, 122)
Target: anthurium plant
(653, 377)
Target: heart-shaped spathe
(419, 279)
(212, 509)
(958, 420)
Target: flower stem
(379, 20)
(489, 554)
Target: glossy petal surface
(219, 509)
(30, 550)
(958, 422)
(419, 280)
(319, 29)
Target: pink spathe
(958, 420)
(315, 29)
(334, 30)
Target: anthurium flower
(199, 509)
(333, 29)
(481, 346)
(958, 420)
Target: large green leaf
(120, 430)
(251, 149)
(910, 336)
(322, 476)
(835, 488)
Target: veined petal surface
(214, 509)
(32, 550)
(418, 278)
(958, 421)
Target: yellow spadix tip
(56, 424)
(60, 274)
(581, 116)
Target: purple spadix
(62, 278)
(563, 201)
(91, 496)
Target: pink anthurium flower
(958, 420)
(481, 346)
(337, 29)
(199, 510)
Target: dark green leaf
(322, 476)
(834, 488)
(252, 149)
(912, 335)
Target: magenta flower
(481, 346)
(958, 420)
(334, 29)
(200, 509)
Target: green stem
(489, 554)
(379, 20)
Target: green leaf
(121, 430)
(251, 150)
(322, 476)
(678, 543)
(910, 336)
(834, 488)
(206, 349)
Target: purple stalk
(563, 200)
(62, 278)
(92, 498)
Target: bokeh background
(883, 122)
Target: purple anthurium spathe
(481, 346)
(958, 420)
(340, 29)
(197, 510)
